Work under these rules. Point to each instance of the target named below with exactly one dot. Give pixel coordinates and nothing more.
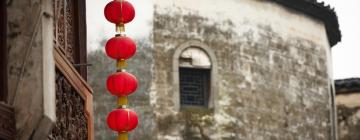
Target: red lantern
(119, 12)
(120, 47)
(121, 84)
(122, 120)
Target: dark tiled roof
(344, 86)
(320, 11)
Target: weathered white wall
(285, 21)
(348, 100)
(348, 111)
(273, 72)
(31, 67)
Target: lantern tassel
(122, 136)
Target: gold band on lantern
(120, 28)
(121, 64)
(122, 136)
(122, 101)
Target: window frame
(213, 87)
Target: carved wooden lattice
(73, 95)
(71, 121)
(65, 28)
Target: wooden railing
(79, 85)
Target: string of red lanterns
(121, 83)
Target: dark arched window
(194, 70)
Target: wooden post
(3, 52)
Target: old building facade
(234, 70)
(270, 71)
(348, 108)
(212, 70)
(44, 94)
